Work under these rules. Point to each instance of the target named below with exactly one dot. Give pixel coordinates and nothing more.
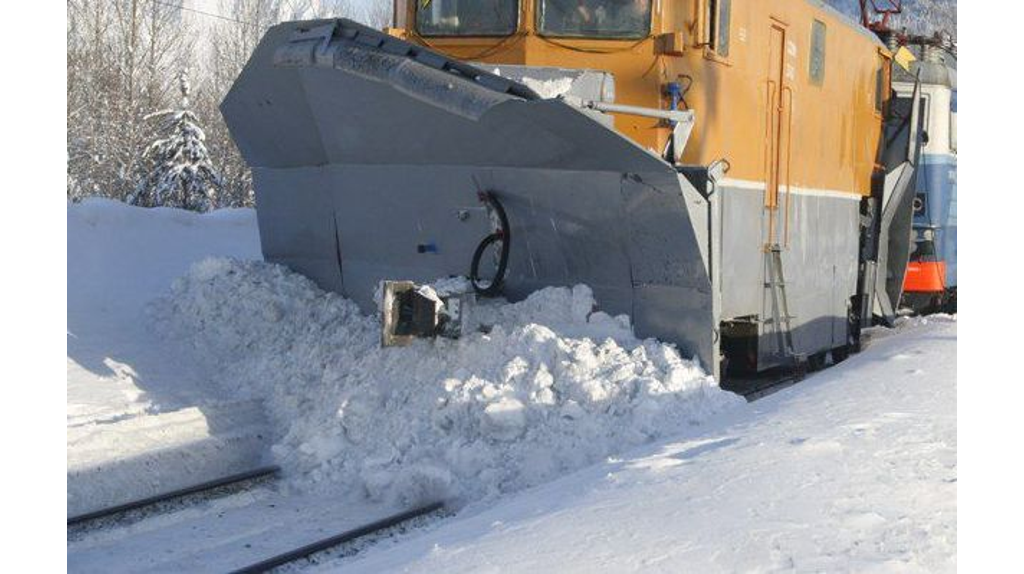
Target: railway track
(329, 542)
(235, 524)
(771, 387)
(223, 485)
(757, 387)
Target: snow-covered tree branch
(180, 171)
(122, 59)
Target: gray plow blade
(897, 220)
(897, 215)
(368, 154)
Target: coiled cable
(503, 235)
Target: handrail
(789, 165)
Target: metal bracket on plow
(308, 47)
(681, 120)
(410, 311)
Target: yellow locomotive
(791, 92)
(713, 168)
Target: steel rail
(194, 489)
(771, 388)
(348, 536)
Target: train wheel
(817, 361)
(840, 354)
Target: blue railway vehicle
(930, 282)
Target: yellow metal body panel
(823, 136)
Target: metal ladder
(780, 321)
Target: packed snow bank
(119, 258)
(114, 462)
(551, 388)
(140, 420)
(852, 470)
(548, 89)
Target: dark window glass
(926, 113)
(615, 19)
(817, 65)
(466, 17)
(722, 31)
(879, 86)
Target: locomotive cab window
(880, 87)
(926, 116)
(816, 68)
(612, 19)
(466, 17)
(717, 20)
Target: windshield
(466, 17)
(595, 18)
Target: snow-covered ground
(141, 418)
(567, 443)
(852, 470)
(551, 387)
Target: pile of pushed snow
(551, 388)
(548, 89)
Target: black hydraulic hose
(504, 236)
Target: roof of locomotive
(941, 73)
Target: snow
(113, 462)
(181, 173)
(551, 387)
(125, 387)
(853, 469)
(548, 89)
(223, 535)
(566, 443)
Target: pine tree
(180, 172)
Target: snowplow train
(729, 173)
